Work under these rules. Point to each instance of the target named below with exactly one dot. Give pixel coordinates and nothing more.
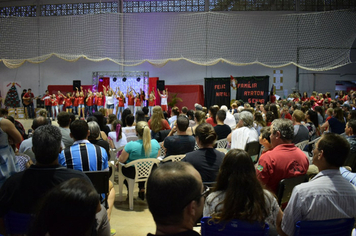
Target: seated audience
(258, 122)
(102, 133)
(230, 119)
(175, 114)
(175, 198)
(144, 147)
(328, 195)
(301, 132)
(27, 144)
(212, 115)
(222, 130)
(190, 115)
(239, 195)
(337, 123)
(129, 130)
(9, 135)
(350, 131)
(68, 209)
(199, 118)
(94, 137)
(64, 121)
(102, 122)
(33, 183)
(206, 160)
(265, 139)
(117, 138)
(244, 133)
(285, 160)
(181, 143)
(311, 122)
(157, 121)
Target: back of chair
(143, 168)
(17, 223)
(335, 227)
(173, 158)
(253, 149)
(286, 186)
(131, 138)
(100, 180)
(115, 153)
(301, 145)
(234, 227)
(163, 150)
(222, 143)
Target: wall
(56, 71)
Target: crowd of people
(175, 191)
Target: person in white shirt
(328, 195)
(164, 97)
(245, 132)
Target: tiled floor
(138, 222)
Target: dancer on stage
(75, 102)
(68, 102)
(131, 100)
(28, 101)
(81, 102)
(138, 102)
(54, 102)
(109, 100)
(164, 98)
(99, 101)
(151, 102)
(47, 98)
(60, 100)
(121, 106)
(89, 102)
(143, 98)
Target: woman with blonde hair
(199, 118)
(144, 147)
(157, 121)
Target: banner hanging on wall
(252, 89)
(217, 91)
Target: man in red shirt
(285, 160)
(28, 100)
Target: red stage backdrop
(190, 94)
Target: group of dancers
(84, 103)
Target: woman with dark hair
(273, 108)
(352, 115)
(305, 97)
(258, 122)
(68, 209)
(116, 137)
(212, 116)
(140, 116)
(125, 113)
(206, 160)
(336, 123)
(320, 111)
(102, 122)
(311, 122)
(239, 195)
(269, 118)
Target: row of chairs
(334, 227)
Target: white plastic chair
(131, 138)
(163, 150)
(302, 144)
(173, 158)
(114, 151)
(143, 168)
(196, 147)
(222, 143)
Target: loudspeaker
(160, 85)
(76, 84)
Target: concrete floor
(136, 222)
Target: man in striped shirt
(83, 155)
(328, 195)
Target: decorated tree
(12, 97)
